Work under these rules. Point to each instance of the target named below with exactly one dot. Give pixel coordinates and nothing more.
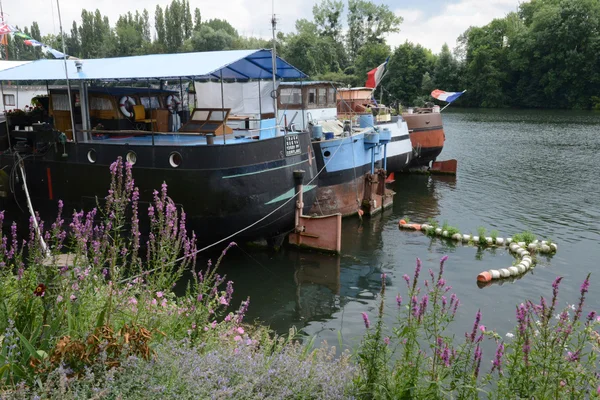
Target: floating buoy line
(521, 249)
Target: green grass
(481, 233)
(526, 237)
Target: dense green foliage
(543, 56)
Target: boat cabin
(301, 102)
(359, 100)
(118, 109)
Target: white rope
(249, 226)
(30, 206)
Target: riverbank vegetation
(542, 56)
(107, 323)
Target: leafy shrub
(494, 235)
(550, 354)
(191, 371)
(481, 231)
(526, 237)
(52, 313)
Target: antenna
(62, 37)
(274, 59)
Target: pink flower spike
(562, 383)
(386, 340)
(59, 298)
(164, 303)
(213, 325)
(228, 318)
(223, 301)
(154, 302)
(133, 300)
(237, 338)
(159, 294)
(73, 297)
(240, 330)
(206, 329)
(482, 328)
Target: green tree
(369, 57)
(406, 68)
(159, 25)
(369, 23)
(209, 39)
(446, 72)
(197, 19)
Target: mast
(274, 62)
(2, 20)
(62, 37)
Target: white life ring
(125, 100)
(173, 103)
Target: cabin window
(9, 100)
(60, 102)
(291, 96)
(100, 103)
(150, 102)
(331, 96)
(312, 96)
(322, 100)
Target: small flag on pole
(375, 75)
(448, 97)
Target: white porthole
(91, 156)
(175, 159)
(131, 157)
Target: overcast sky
(428, 22)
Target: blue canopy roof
(232, 64)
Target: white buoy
(495, 274)
(522, 269)
(508, 240)
(489, 240)
(545, 248)
(500, 241)
(445, 234)
(466, 238)
(504, 273)
(532, 247)
(476, 239)
(526, 263)
(521, 244)
(457, 236)
(554, 247)
(438, 231)
(513, 271)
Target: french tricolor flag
(375, 75)
(448, 97)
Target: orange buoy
(402, 222)
(485, 276)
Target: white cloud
(451, 21)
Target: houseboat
(230, 178)
(349, 149)
(424, 124)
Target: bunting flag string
(6, 29)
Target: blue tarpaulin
(231, 64)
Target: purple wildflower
(415, 307)
(366, 319)
(406, 278)
(477, 360)
(572, 357)
(399, 300)
(475, 325)
(386, 340)
(417, 272)
(497, 362)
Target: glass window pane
(322, 100)
(312, 94)
(60, 102)
(331, 96)
(9, 100)
(150, 102)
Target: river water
(517, 170)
